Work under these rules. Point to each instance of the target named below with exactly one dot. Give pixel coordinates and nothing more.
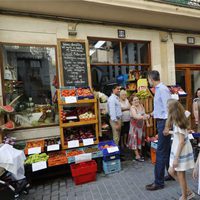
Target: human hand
(166, 131)
(175, 163)
(194, 173)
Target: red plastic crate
(85, 178)
(83, 168)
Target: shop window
(110, 59)
(30, 84)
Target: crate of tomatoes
(34, 147)
(67, 92)
(84, 93)
(57, 158)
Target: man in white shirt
(114, 110)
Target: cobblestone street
(129, 184)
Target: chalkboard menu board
(74, 63)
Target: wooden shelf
(70, 124)
(80, 102)
(132, 80)
(80, 145)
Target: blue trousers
(162, 154)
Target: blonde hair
(176, 115)
(122, 92)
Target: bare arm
(195, 111)
(135, 115)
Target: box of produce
(52, 144)
(57, 158)
(34, 147)
(108, 148)
(96, 153)
(78, 133)
(84, 93)
(72, 153)
(84, 172)
(69, 115)
(68, 94)
(37, 161)
(86, 113)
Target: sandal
(190, 195)
(139, 159)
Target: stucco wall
(39, 31)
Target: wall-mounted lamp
(72, 29)
(190, 40)
(121, 33)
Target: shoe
(169, 178)
(153, 187)
(139, 159)
(190, 195)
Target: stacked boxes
(111, 157)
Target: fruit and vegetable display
(57, 158)
(74, 152)
(36, 158)
(68, 92)
(177, 90)
(91, 150)
(78, 133)
(106, 146)
(69, 115)
(10, 125)
(85, 113)
(84, 92)
(6, 109)
(143, 94)
(33, 144)
(51, 141)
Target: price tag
(88, 141)
(71, 117)
(112, 149)
(53, 147)
(83, 157)
(39, 166)
(181, 93)
(73, 143)
(34, 150)
(70, 99)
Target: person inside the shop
(162, 95)
(115, 113)
(125, 106)
(195, 107)
(197, 167)
(137, 129)
(181, 156)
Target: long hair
(196, 93)
(176, 115)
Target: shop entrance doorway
(187, 61)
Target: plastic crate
(111, 166)
(85, 97)
(57, 158)
(84, 178)
(111, 157)
(83, 168)
(105, 151)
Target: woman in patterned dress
(136, 132)
(181, 156)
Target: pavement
(128, 184)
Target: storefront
(30, 64)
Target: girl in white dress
(181, 156)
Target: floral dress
(136, 131)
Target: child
(181, 156)
(136, 132)
(196, 168)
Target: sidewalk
(129, 184)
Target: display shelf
(71, 124)
(132, 80)
(80, 123)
